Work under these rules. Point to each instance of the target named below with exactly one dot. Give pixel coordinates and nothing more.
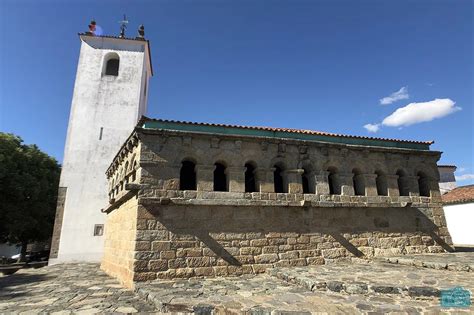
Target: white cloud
(414, 113)
(464, 177)
(372, 127)
(460, 169)
(401, 94)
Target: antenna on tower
(123, 26)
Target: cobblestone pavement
(65, 289)
(462, 261)
(84, 289)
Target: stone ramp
(375, 278)
(460, 261)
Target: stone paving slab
(263, 294)
(463, 261)
(67, 289)
(85, 289)
(379, 278)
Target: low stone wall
(181, 241)
(120, 242)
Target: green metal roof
(307, 135)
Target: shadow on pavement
(464, 249)
(7, 282)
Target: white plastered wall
(113, 104)
(460, 220)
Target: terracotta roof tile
(463, 194)
(290, 130)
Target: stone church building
(184, 199)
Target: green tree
(28, 190)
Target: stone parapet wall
(180, 197)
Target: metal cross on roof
(123, 26)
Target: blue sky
(321, 65)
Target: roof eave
(137, 39)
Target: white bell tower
(110, 95)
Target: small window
(146, 81)
(250, 178)
(187, 176)
(98, 230)
(101, 132)
(220, 178)
(112, 67)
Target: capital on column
(412, 182)
(294, 180)
(236, 178)
(347, 185)
(205, 177)
(392, 185)
(264, 179)
(322, 183)
(370, 184)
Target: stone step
(372, 278)
(449, 261)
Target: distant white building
(447, 181)
(458, 207)
(458, 204)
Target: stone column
(434, 190)
(294, 181)
(322, 184)
(205, 177)
(347, 184)
(236, 178)
(264, 179)
(412, 182)
(392, 185)
(370, 184)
